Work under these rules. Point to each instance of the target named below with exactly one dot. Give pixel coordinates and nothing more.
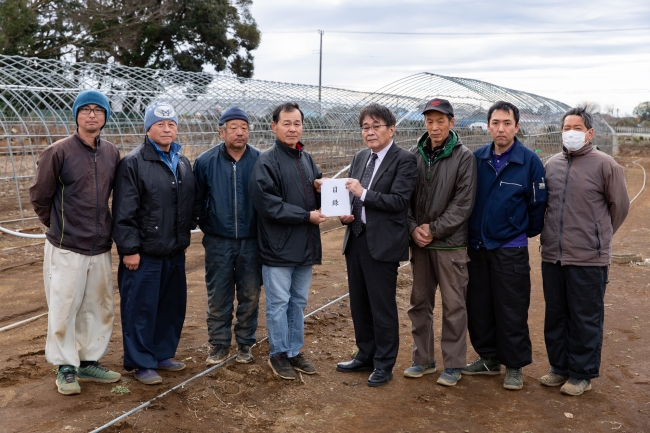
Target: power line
(443, 33)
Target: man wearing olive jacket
(587, 203)
(152, 209)
(437, 222)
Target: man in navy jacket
(509, 209)
(224, 211)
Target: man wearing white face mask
(587, 203)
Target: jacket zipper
(534, 194)
(302, 180)
(509, 183)
(96, 203)
(234, 187)
(566, 182)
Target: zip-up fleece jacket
(70, 194)
(587, 203)
(510, 202)
(444, 196)
(152, 208)
(282, 188)
(222, 205)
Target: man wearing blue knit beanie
(152, 208)
(224, 211)
(70, 193)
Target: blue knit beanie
(233, 113)
(91, 97)
(158, 111)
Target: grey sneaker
(514, 379)
(419, 370)
(489, 366)
(299, 363)
(97, 373)
(449, 376)
(66, 380)
(553, 379)
(282, 367)
(244, 354)
(575, 386)
(217, 355)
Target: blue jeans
(232, 266)
(286, 290)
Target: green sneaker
(489, 366)
(514, 379)
(97, 373)
(66, 380)
(419, 370)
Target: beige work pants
(79, 292)
(448, 269)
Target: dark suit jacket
(386, 203)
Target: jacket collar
(291, 151)
(97, 140)
(452, 141)
(516, 155)
(582, 151)
(225, 154)
(149, 152)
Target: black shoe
(379, 377)
(282, 367)
(353, 366)
(299, 363)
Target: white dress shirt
(380, 157)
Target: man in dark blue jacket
(224, 211)
(509, 209)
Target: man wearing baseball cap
(152, 208)
(70, 193)
(437, 221)
(224, 211)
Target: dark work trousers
(153, 300)
(575, 312)
(498, 297)
(232, 266)
(373, 287)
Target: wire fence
(36, 97)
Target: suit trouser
(575, 313)
(373, 288)
(447, 268)
(498, 297)
(79, 293)
(153, 300)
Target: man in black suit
(382, 180)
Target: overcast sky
(611, 68)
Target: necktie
(357, 204)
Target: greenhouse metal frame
(36, 98)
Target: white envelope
(335, 198)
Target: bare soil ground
(248, 398)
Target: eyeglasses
(373, 127)
(97, 111)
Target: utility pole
(320, 65)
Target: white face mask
(573, 140)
